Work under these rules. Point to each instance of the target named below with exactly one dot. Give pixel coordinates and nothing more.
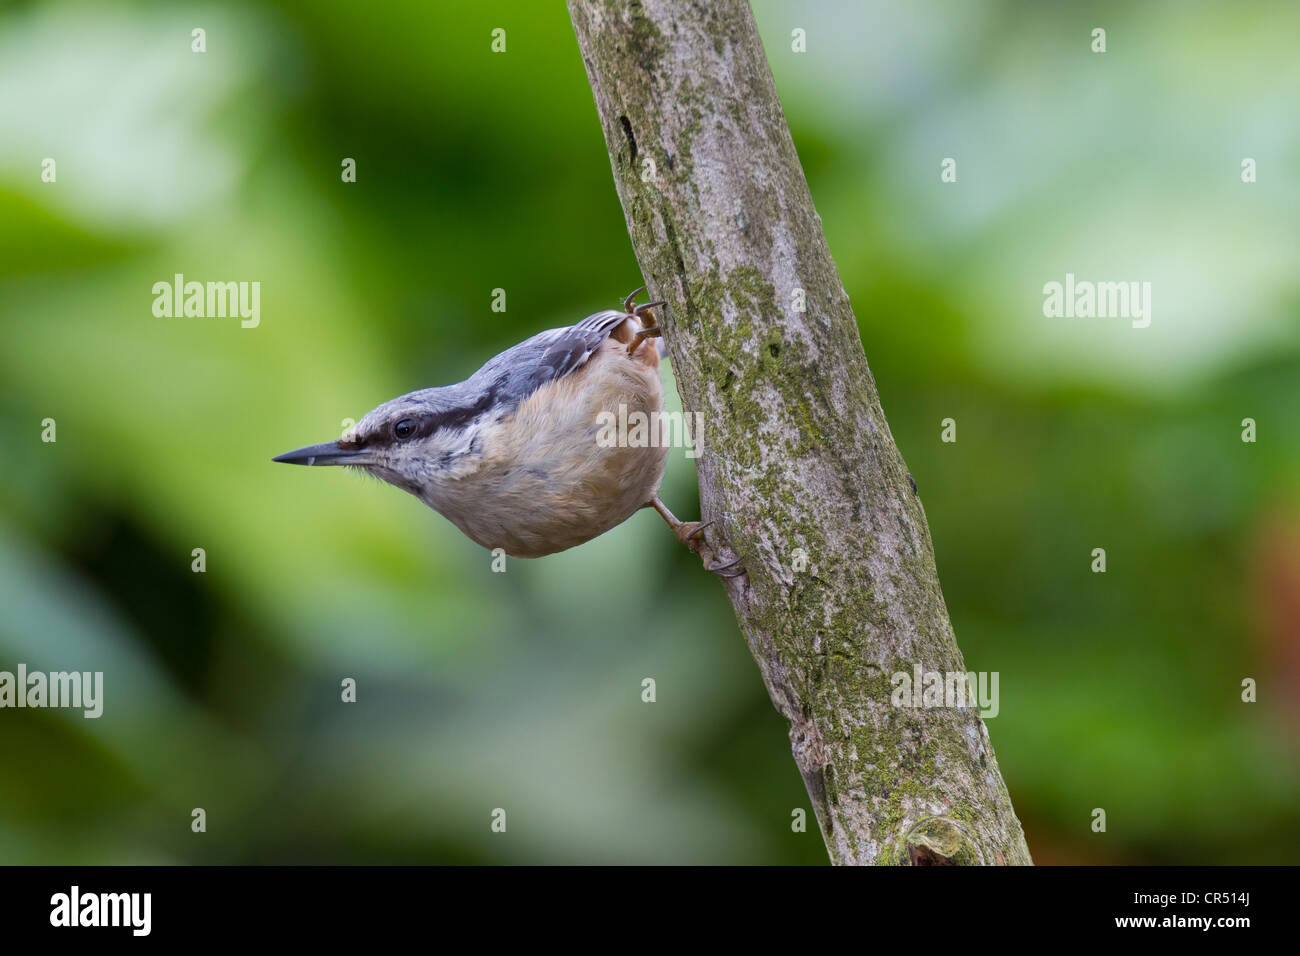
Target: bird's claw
(631, 297)
(691, 534)
(718, 569)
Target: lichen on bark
(799, 470)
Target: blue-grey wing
(574, 345)
(519, 371)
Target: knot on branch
(938, 841)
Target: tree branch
(799, 467)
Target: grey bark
(799, 469)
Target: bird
(511, 455)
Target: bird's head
(412, 442)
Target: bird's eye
(404, 429)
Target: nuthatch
(510, 455)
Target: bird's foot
(641, 335)
(650, 328)
(691, 534)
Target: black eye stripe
(415, 425)
(460, 417)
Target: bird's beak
(330, 453)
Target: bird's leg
(691, 534)
(688, 533)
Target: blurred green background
(478, 171)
